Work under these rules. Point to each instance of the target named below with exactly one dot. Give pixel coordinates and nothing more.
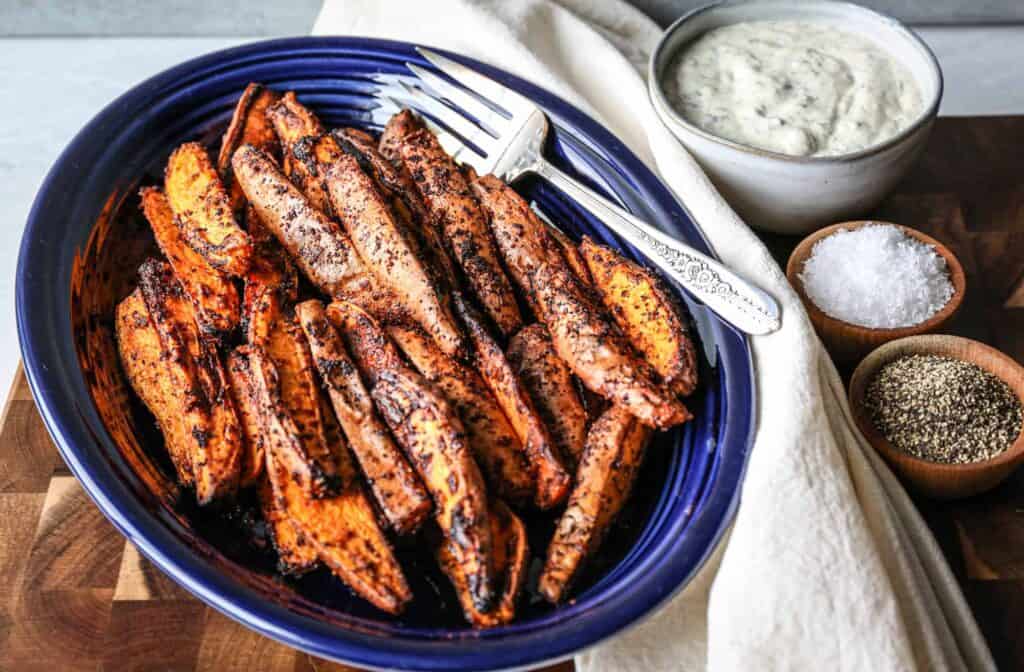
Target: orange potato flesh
(646, 312)
(199, 201)
(148, 372)
(214, 296)
(295, 554)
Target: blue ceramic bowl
(81, 245)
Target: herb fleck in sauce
(796, 88)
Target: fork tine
(485, 87)
(488, 119)
(455, 122)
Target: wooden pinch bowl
(936, 479)
(848, 342)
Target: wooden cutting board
(74, 595)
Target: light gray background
(66, 59)
(295, 17)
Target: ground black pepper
(943, 409)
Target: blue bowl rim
(58, 408)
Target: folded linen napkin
(828, 565)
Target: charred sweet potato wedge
(295, 554)
(571, 253)
(552, 481)
(271, 268)
(548, 380)
(395, 486)
(598, 353)
(495, 444)
(607, 470)
(511, 555)
(214, 296)
(396, 184)
(398, 128)
(249, 126)
(312, 461)
(292, 120)
(453, 208)
(647, 313)
(243, 392)
(518, 231)
(196, 369)
(203, 210)
(343, 527)
(429, 430)
(309, 158)
(386, 252)
(152, 375)
(320, 248)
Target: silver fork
(496, 130)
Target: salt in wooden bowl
(936, 479)
(848, 342)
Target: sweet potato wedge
(399, 127)
(295, 554)
(309, 157)
(195, 368)
(607, 470)
(288, 364)
(292, 120)
(214, 296)
(150, 374)
(598, 353)
(495, 444)
(243, 392)
(342, 528)
(386, 252)
(570, 252)
(249, 126)
(426, 426)
(552, 481)
(647, 313)
(392, 481)
(320, 248)
(199, 201)
(519, 234)
(271, 268)
(548, 380)
(511, 555)
(452, 207)
(397, 185)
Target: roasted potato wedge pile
(378, 343)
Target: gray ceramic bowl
(793, 194)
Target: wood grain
(77, 596)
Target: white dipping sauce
(792, 87)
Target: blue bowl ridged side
(133, 136)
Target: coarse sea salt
(876, 276)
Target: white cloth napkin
(828, 566)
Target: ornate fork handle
(743, 305)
